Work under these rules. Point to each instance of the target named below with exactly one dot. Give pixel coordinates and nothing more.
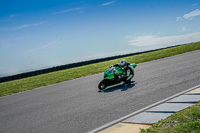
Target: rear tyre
(102, 85)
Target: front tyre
(130, 75)
(102, 85)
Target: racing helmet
(123, 63)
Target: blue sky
(39, 34)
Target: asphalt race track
(76, 106)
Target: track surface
(76, 106)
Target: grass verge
(184, 121)
(20, 85)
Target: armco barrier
(67, 66)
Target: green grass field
(10, 87)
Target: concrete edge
(150, 124)
(125, 127)
(141, 110)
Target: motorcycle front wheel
(102, 85)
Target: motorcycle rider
(128, 68)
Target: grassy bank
(185, 121)
(15, 86)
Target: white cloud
(42, 47)
(68, 10)
(192, 14)
(22, 27)
(37, 24)
(149, 40)
(108, 3)
(20, 37)
(13, 15)
(195, 4)
(29, 25)
(183, 29)
(178, 18)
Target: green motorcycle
(115, 75)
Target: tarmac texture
(144, 119)
(77, 106)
